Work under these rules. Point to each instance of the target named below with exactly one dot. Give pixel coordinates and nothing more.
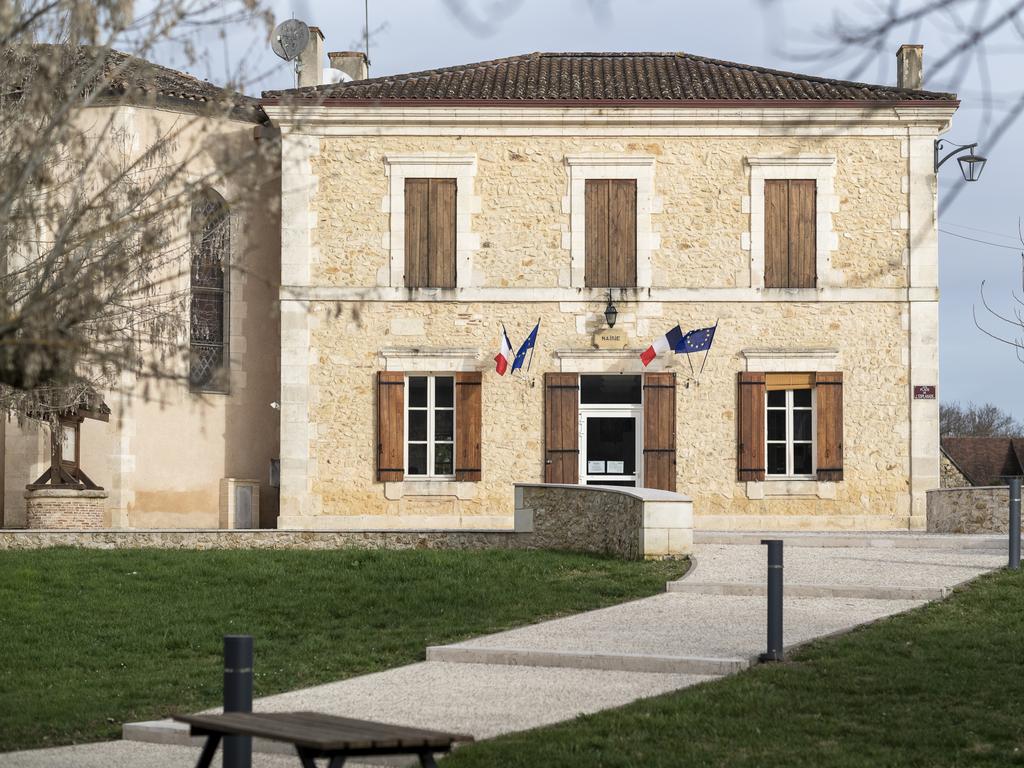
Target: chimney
(312, 60)
(352, 63)
(910, 67)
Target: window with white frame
(430, 427)
(790, 433)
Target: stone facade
(881, 283)
(951, 475)
(979, 509)
(64, 509)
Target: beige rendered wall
(701, 230)
(165, 449)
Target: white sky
(423, 34)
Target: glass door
(610, 455)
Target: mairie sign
(611, 339)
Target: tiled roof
(986, 460)
(606, 77)
(132, 79)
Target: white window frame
(822, 170)
(611, 410)
(431, 442)
(583, 167)
(789, 408)
(462, 168)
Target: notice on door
(616, 467)
(595, 467)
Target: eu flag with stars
(696, 341)
(526, 347)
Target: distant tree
(972, 420)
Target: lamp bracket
(940, 144)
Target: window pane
(801, 425)
(417, 425)
(802, 398)
(776, 425)
(418, 391)
(612, 440)
(443, 459)
(444, 387)
(417, 459)
(443, 425)
(777, 398)
(610, 390)
(801, 458)
(776, 459)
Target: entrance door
(611, 422)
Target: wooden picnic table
(316, 735)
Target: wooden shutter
(430, 233)
(776, 233)
(610, 224)
(417, 233)
(442, 233)
(622, 233)
(561, 428)
(829, 392)
(596, 224)
(790, 233)
(660, 431)
(750, 463)
(468, 413)
(390, 426)
(802, 233)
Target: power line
(986, 231)
(983, 242)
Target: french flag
(501, 359)
(670, 340)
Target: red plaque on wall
(924, 392)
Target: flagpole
(708, 350)
(534, 347)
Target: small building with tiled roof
(981, 461)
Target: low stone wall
(255, 539)
(978, 509)
(631, 523)
(64, 508)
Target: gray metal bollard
(1014, 523)
(774, 652)
(238, 696)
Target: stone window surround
(462, 168)
(812, 360)
(430, 360)
(820, 168)
(610, 166)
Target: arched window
(208, 306)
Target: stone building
(172, 453)
(422, 214)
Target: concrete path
(710, 623)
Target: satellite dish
(290, 39)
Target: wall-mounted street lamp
(610, 312)
(971, 165)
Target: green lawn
(90, 639)
(940, 686)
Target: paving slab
(882, 540)
(898, 573)
(483, 700)
(681, 625)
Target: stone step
(620, 662)
(886, 539)
(810, 590)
